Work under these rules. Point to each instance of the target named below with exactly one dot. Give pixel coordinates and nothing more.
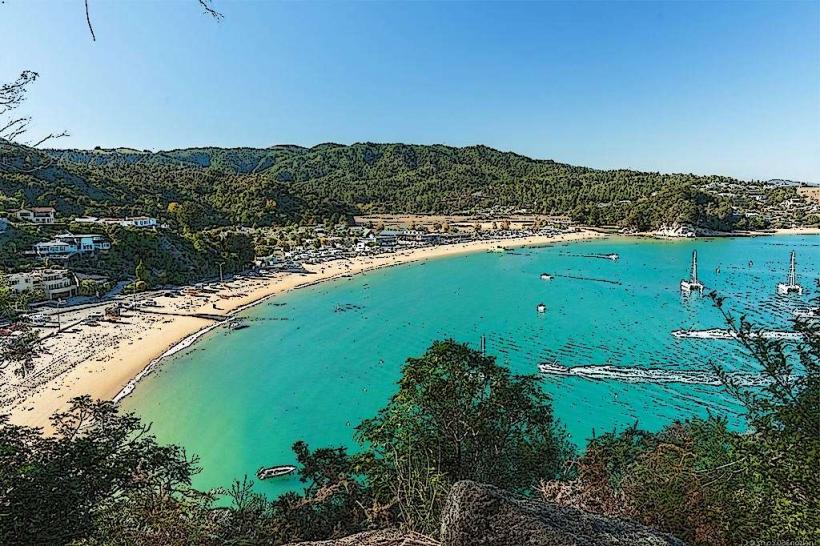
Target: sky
(704, 87)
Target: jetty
(790, 286)
(693, 284)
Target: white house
(85, 243)
(68, 244)
(134, 221)
(37, 215)
(54, 248)
(54, 283)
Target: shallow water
(316, 361)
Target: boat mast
(792, 280)
(694, 267)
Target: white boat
(546, 277)
(790, 286)
(541, 308)
(808, 313)
(716, 333)
(693, 284)
(612, 256)
(274, 471)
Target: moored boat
(546, 277)
(274, 471)
(809, 313)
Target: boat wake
(647, 375)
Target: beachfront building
(133, 221)
(52, 283)
(37, 215)
(68, 244)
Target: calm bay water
(317, 361)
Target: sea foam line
(175, 348)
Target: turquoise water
(316, 361)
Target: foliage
(199, 188)
(19, 350)
(712, 486)
(458, 415)
(54, 489)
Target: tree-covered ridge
(286, 184)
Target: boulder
(483, 515)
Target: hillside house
(68, 244)
(37, 215)
(133, 221)
(53, 283)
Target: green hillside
(287, 184)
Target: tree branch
(88, 20)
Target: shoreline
(108, 361)
(729, 234)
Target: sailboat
(790, 286)
(693, 284)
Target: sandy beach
(103, 360)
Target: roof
(40, 209)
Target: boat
(693, 284)
(274, 471)
(808, 313)
(541, 308)
(790, 286)
(546, 277)
(717, 333)
(498, 248)
(714, 333)
(237, 325)
(612, 256)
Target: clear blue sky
(729, 88)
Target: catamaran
(790, 286)
(693, 284)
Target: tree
(19, 350)
(141, 272)
(460, 416)
(57, 489)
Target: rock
(384, 537)
(483, 515)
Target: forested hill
(284, 184)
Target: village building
(37, 215)
(68, 244)
(52, 283)
(133, 221)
